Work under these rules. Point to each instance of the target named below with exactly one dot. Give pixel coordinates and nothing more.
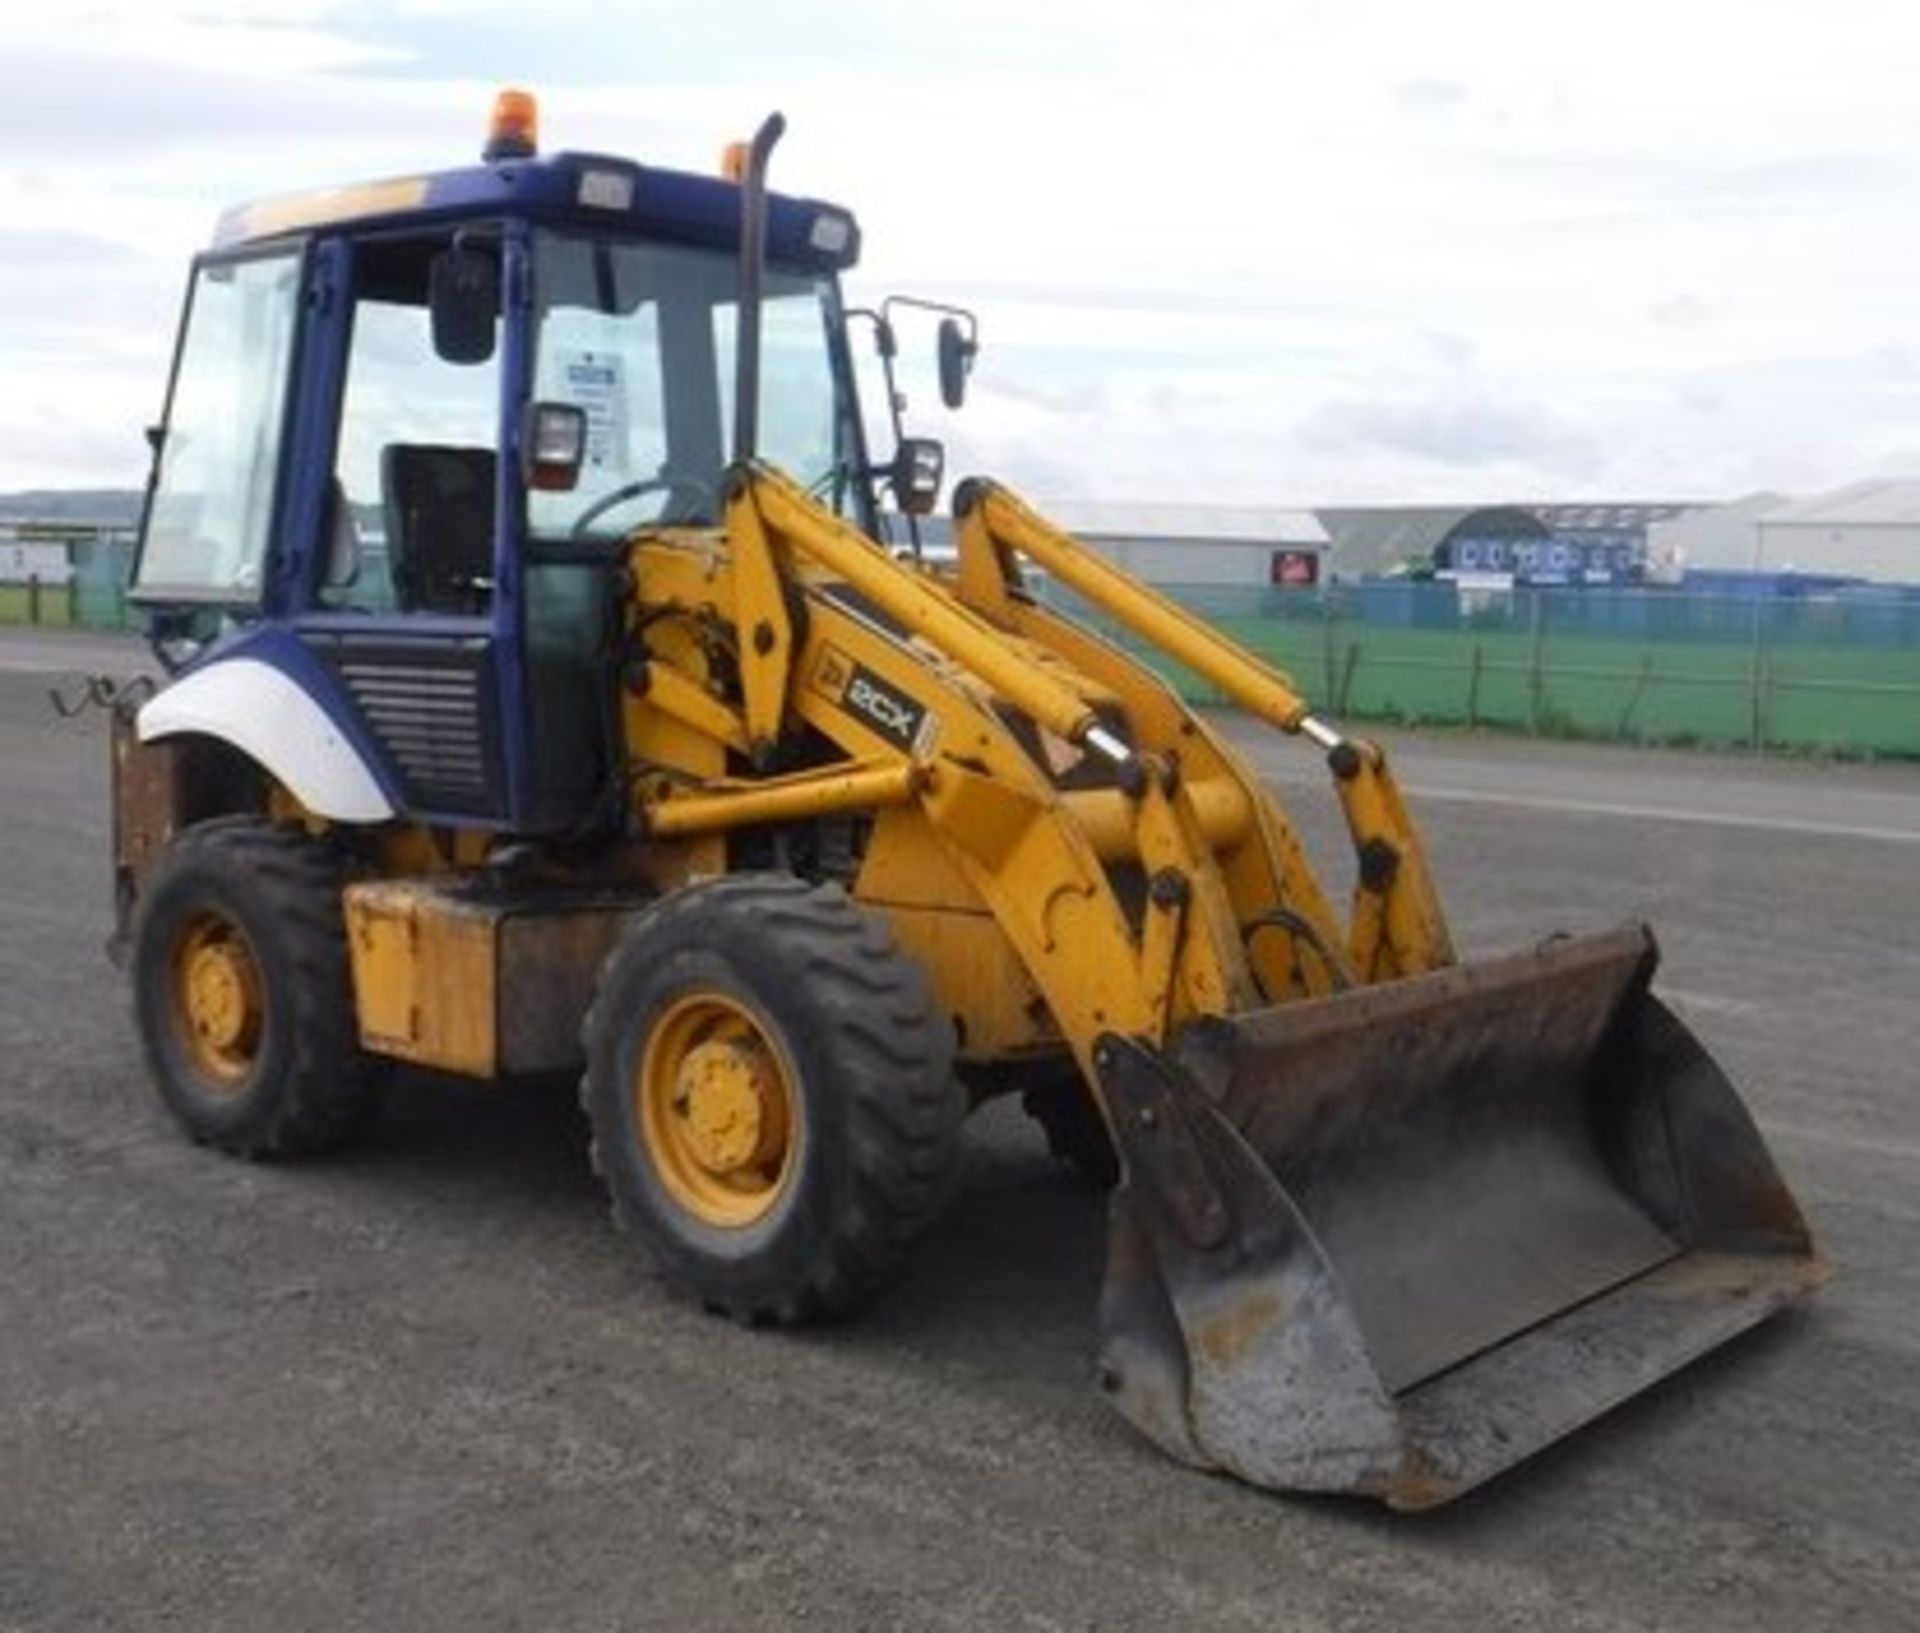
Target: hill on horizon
(109, 507)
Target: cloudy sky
(1285, 252)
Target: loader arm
(1397, 927)
(1104, 888)
(1058, 676)
(1222, 911)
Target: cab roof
(567, 189)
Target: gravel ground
(424, 1385)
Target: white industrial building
(1714, 538)
(1868, 530)
(1199, 544)
(1865, 530)
(1177, 544)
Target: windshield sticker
(596, 383)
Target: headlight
(831, 233)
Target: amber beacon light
(513, 131)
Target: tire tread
(326, 1089)
(893, 1047)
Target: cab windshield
(641, 337)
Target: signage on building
(23, 563)
(1295, 568)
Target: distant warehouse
(1388, 541)
(1864, 531)
(1199, 544)
(1551, 545)
(1868, 530)
(1209, 545)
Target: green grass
(54, 606)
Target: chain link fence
(65, 574)
(1835, 674)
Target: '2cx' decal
(863, 694)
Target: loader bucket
(1393, 1241)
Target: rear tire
(771, 1092)
(244, 994)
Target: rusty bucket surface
(1393, 1241)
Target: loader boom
(1038, 858)
(1398, 927)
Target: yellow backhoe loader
(515, 718)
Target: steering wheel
(629, 491)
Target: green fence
(1835, 674)
(92, 593)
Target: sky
(1275, 253)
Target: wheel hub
(218, 1001)
(728, 1093)
(715, 1105)
(217, 997)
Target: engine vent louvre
(432, 721)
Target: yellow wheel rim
(219, 1009)
(714, 1103)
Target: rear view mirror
(463, 293)
(958, 347)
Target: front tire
(244, 994)
(771, 1092)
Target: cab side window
(212, 511)
(412, 500)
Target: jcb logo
(893, 715)
(868, 698)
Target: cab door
(413, 516)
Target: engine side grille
(430, 706)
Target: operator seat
(439, 513)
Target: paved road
(423, 1385)
(55, 653)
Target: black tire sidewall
(755, 1264)
(200, 878)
